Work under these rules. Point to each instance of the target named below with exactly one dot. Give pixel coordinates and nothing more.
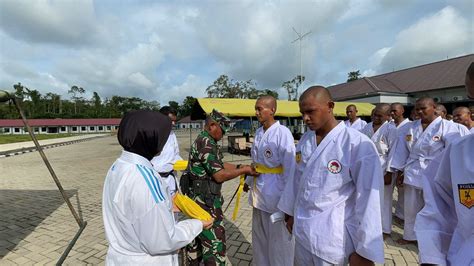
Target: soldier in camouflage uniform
(206, 173)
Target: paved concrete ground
(36, 225)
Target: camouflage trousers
(209, 246)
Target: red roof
(61, 122)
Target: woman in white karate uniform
(136, 205)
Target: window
(101, 128)
(6, 130)
(63, 128)
(108, 128)
(116, 127)
(36, 129)
(183, 126)
(91, 128)
(83, 129)
(44, 129)
(74, 129)
(17, 130)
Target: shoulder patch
(466, 194)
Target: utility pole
(300, 38)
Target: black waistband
(166, 174)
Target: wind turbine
(300, 38)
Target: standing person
(352, 120)
(462, 115)
(444, 227)
(384, 136)
(401, 123)
(441, 111)
(136, 205)
(333, 199)
(424, 140)
(163, 163)
(273, 148)
(206, 173)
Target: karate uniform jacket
(164, 162)
(272, 148)
(335, 194)
(359, 124)
(384, 139)
(138, 218)
(417, 148)
(444, 227)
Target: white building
(55, 126)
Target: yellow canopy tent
(246, 108)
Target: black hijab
(144, 132)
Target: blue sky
(170, 49)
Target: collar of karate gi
(134, 158)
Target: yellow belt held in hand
(262, 169)
(180, 165)
(191, 208)
(237, 201)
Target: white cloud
(432, 38)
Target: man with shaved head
(462, 115)
(333, 200)
(441, 111)
(273, 149)
(401, 123)
(444, 227)
(352, 120)
(384, 136)
(423, 141)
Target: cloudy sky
(170, 49)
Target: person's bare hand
(207, 224)
(357, 260)
(175, 207)
(249, 170)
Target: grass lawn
(20, 138)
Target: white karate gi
(445, 227)
(413, 153)
(384, 139)
(138, 218)
(359, 124)
(272, 244)
(334, 197)
(399, 209)
(471, 130)
(163, 163)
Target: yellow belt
(237, 202)
(180, 165)
(262, 169)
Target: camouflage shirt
(205, 157)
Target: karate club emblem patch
(466, 194)
(268, 153)
(334, 166)
(436, 138)
(408, 137)
(298, 157)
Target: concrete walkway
(36, 225)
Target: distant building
(443, 81)
(55, 126)
(186, 122)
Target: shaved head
(383, 107)
(462, 115)
(462, 109)
(397, 105)
(268, 100)
(320, 93)
(426, 100)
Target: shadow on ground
(23, 210)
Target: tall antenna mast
(300, 38)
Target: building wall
(59, 129)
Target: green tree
(97, 102)
(174, 105)
(270, 92)
(292, 86)
(223, 87)
(353, 75)
(187, 106)
(76, 93)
